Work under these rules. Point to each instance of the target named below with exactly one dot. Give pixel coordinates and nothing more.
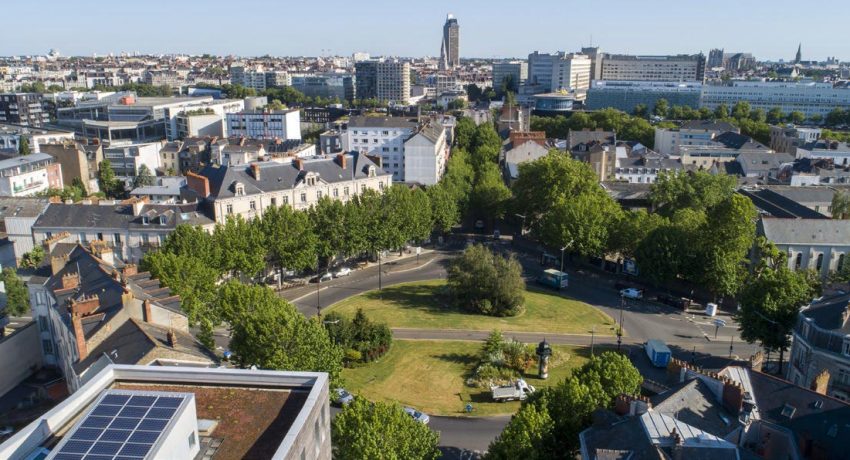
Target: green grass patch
(431, 376)
(420, 305)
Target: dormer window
(239, 189)
(371, 171)
(145, 220)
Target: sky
(770, 30)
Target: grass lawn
(430, 376)
(419, 305)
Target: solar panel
(120, 425)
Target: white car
(632, 293)
(343, 397)
(418, 416)
(343, 271)
(326, 277)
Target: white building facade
(281, 124)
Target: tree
(327, 223)
(841, 205)
(17, 296)
(381, 431)
(490, 195)
(632, 227)
(33, 258)
(661, 255)
(459, 178)
(369, 341)
(721, 111)
(661, 108)
(726, 243)
(698, 190)
(770, 300)
(741, 110)
(775, 116)
(524, 436)
(444, 208)
(464, 131)
(194, 281)
(143, 177)
(269, 332)
(580, 223)
(797, 117)
(640, 110)
(192, 241)
(24, 146)
(107, 181)
(422, 224)
(486, 283)
(486, 136)
(242, 242)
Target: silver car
(343, 397)
(418, 416)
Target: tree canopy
(486, 283)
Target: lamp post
(620, 328)
(522, 225)
(562, 260)
(318, 290)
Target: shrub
(486, 283)
(364, 340)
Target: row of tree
(626, 126)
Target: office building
(810, 98)
(366, 83)
(247, 190)
(558, 72)
(626, 95)
(184, 412)
(509, 75)
(340, 87)
(683, 68)
(596, 55)
(280, 124)
(450, 48)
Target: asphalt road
(689, 335)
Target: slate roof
(763, 161)
(805, 232)
(22, 207)
(619, 438)
(381, 122)
(801, 195)
(585, 136)
(120, 216)
(777, 205)
(693, 403)
(829, 313)
(709, 125)
(276, 176)
(733, 140)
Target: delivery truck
(658, 353)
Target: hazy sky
(492, 28)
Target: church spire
(799, 56)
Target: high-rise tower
(450, 49)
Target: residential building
(509, 75)
(817, 244)
(820, 349)
(450, 47)
(281, 124)
(763, 164)
(788, 138)
(645, 169)
(668, 141)
(166, 190)
(791, 202)
(824, 149)
(626, 95)
(236, 151)
(192, 414)
(78, 162)
(558, 72)
(683, 68)
(384, 137)
(23, 109)
(131, 227)
(17, 217)
(393, 82)
(522, 150)
(93, 311)
(127, 160)
(247, 190)
(28, 175)
(330, 142)
(10, 137)
(724, 148)
(330, 86)
(581, 141)
(810, 98)
(426, 154)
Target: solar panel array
(122, 425)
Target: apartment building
(280, 124)
(127, 160)
(30, 174)
(247, 190)
(810, 98)
(23, 109)
(787, 138)
(724, 148)
(393, 83)
(426, 154)
(11, 135)
(514, 72)
(558, 72)
(668, 141)
(78, 162)
(824, 149)
(679, 68)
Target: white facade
(10, 137)
(653, 68)
(26, 175)
(557, 72)
(425, 157)
(809, 98)
(384, 140)
(515, 70)
(393, 82)
(127, 159)
(281, 124)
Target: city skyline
(489, 31)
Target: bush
(364, 340)
(483, 282)
(501, 361)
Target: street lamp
(562, 260)
(522, 225)
(620, 328)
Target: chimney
(130, 270)
(255, 171)
(733, 396)
(820, 382)
(79, 336)
(138, 205)
(71, 280)
(146, 306)
(341, 159)
(298, 163)
(756, 361)
(172, 338)
(199, 184)
(85, 306)
(103, 252)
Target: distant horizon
(491, 30)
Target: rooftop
(381, 122)
(805, 231)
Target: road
(689, 335)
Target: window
(840, 263)
(230, 209)
(381, 185)
(819, 264)
(47, 346)
(253, 205)
(846, 348)
(319, 195)
(385, 133)
(274, 201)
(100, 236)
(303, 197)
(83, 238)
(48, 235)
(336, 192)
(286, 200)
(42, 323)
(192, 440)
(116, 239)
(345, 191)
(146, 239)
(798, 261)
(843, 376)
(362, 188)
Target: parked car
(327, 276)
(342, 271)
(479, 224)
(632, 293)
(342, 397)
(674, 301)
(418, 416)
